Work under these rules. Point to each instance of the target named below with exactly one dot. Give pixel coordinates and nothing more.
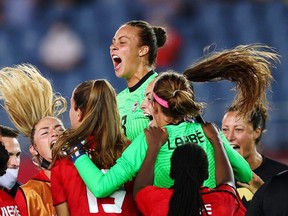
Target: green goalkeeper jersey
(127, 166)
(133, 120)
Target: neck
(47, 173)
(138, 75)
(255, 159)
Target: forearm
(100, 184)
(145, 176)
(224, 173)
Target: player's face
(46, 133)
(124, 52)
(74, 114)
(240, 134)
(146, 104)
(12, 146)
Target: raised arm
(224, 173)
(155, 138)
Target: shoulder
(156, 194)
(272, 162)
(270, 167)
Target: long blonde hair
(28, 97)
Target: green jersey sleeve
(126, 167)
(240, 166)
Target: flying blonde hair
(28, 97)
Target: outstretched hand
(156, 136)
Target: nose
(14, 161)
(113, 47)
(55, 133)
(230, 136)
(143, 105)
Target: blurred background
(68, 40)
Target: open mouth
(236, 147)
(52, 144)
(117, 61)
(148, 116)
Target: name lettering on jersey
(208, 208)
(197, 138)
(10, 211)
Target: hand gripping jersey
(67, 186)
(8, 205)
(131, 160)
(222, 200)
(34, 197)
(128, 101)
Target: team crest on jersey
(134, 106)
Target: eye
(225, 129)
(238, 129)
(44, 133)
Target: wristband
(78, 153)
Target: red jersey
(222, 200)
(8, 205)
(67, 186)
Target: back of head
(189, 169)
(101, 122)
(4, 157)
(28, 96)
(151, 36)
(176, 90)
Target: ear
(143, 51)
(155, 107)
(32, 150)
(257, 133)
(79, 115)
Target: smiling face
(47, 131)
(240, 134)
(124, 51)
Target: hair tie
(159, 100)
(175, 92)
